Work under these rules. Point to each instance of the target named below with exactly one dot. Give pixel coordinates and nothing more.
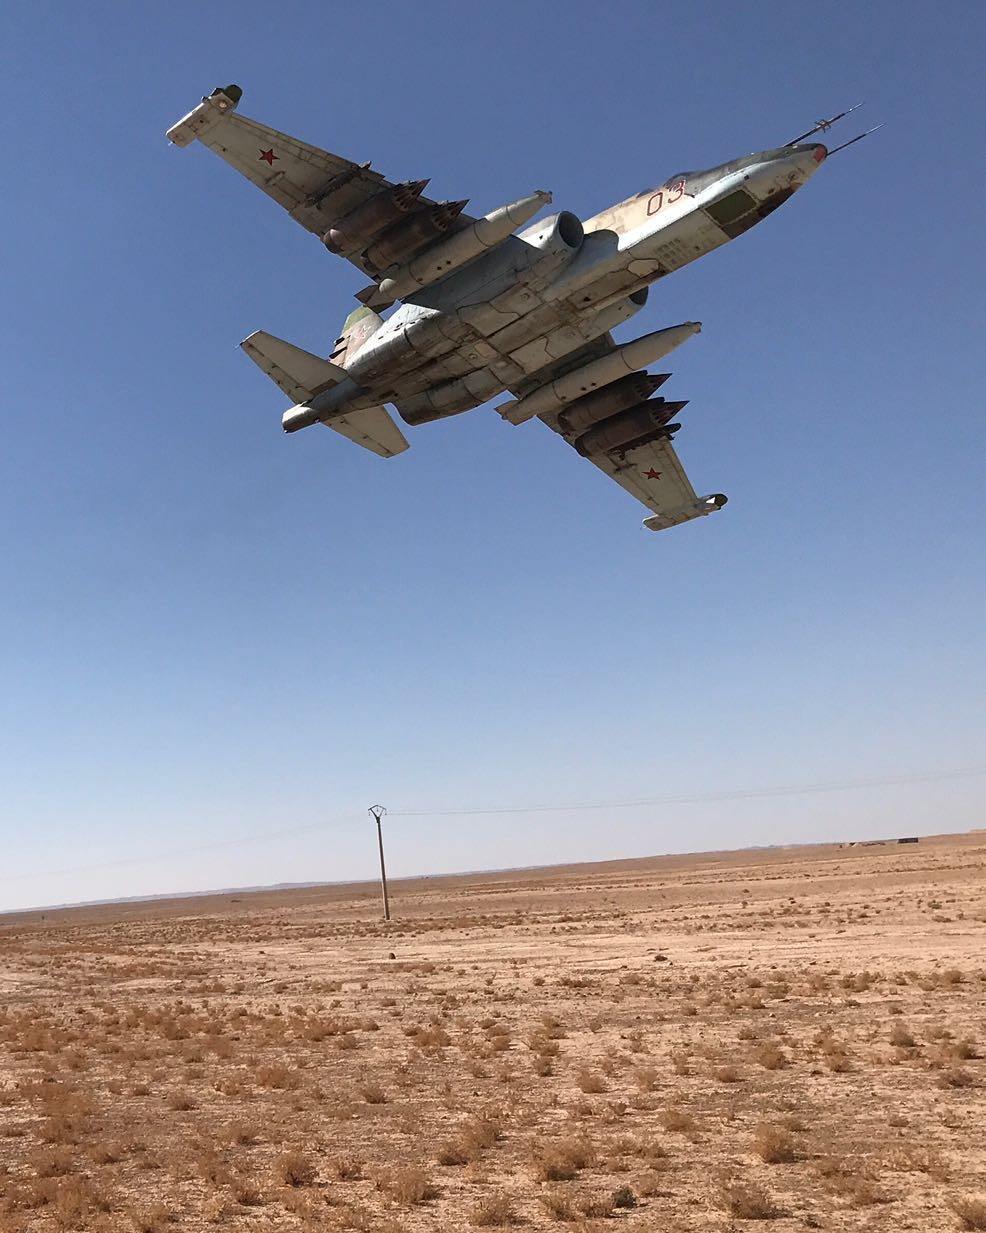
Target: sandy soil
(707, 1042)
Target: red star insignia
(652, 474)
(268, 156)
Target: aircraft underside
(486, 310)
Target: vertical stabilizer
(357, 328)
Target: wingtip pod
(207, 115)
(699, 508)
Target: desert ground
(791, 1035)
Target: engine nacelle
(560, 235)
(637, 426)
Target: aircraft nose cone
(819, 152)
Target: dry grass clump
(591, 1081)
(901, 1038)
(53, 1162)
(858, 1191)
(245, 1193)
(623, 1197)
(181, 1102)
(678, 1121)
(971, 1211)
(645, 1077)
(956, 1076)
(558, 1205)
(567, 1205)
(493, 1211)
(748, 1201)
(564, 1160)
(346, 1169)
(277, 1076)
(373, 1094)
(408, 1185)
(771, 1056)
(914, 1159)
(73, 1201)
(474, 1138)
(151, 1219)
(774, 1145)
(243, 1134)
(293, 1168)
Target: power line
(735, 794)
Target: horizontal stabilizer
(298, 373)
(373, 428)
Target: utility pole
(376, 812)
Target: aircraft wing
(652, 472)
(318, 189)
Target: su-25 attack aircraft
(486, 311)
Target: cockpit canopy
(696, 181)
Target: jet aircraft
(486, 311)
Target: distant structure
(909, 839)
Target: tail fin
(298, 373)
(357, 328)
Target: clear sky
(210, 630)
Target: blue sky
(209, 630)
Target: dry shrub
(245, 1193)
(859, 1191)
(407, 1186)
(242, 1134)
(558, 1206)
(956, 1076)
(623, 1197)
(591, 1082)
(645, 1078)
(373, 1094)
(346, 1169)
(543, 1045)
(774, 1145)
(493, 1211)
(76, 1201)
(770, 1055)
(294, 1169)
(901, 1038)
(211, 1169)
(728, 1073)
(106, 1153)
(277, 1076)
(180, 1102)
(562, 1161)
(971, 1211)
(917, 1160)
(55, 1162)
(474, 1137)
(748, 1201)
(151, 1219)
(678, 1121)
(595, 1207)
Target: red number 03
(675, 193)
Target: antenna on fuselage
(823, 126)
(853, 140)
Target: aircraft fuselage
(561, 283)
